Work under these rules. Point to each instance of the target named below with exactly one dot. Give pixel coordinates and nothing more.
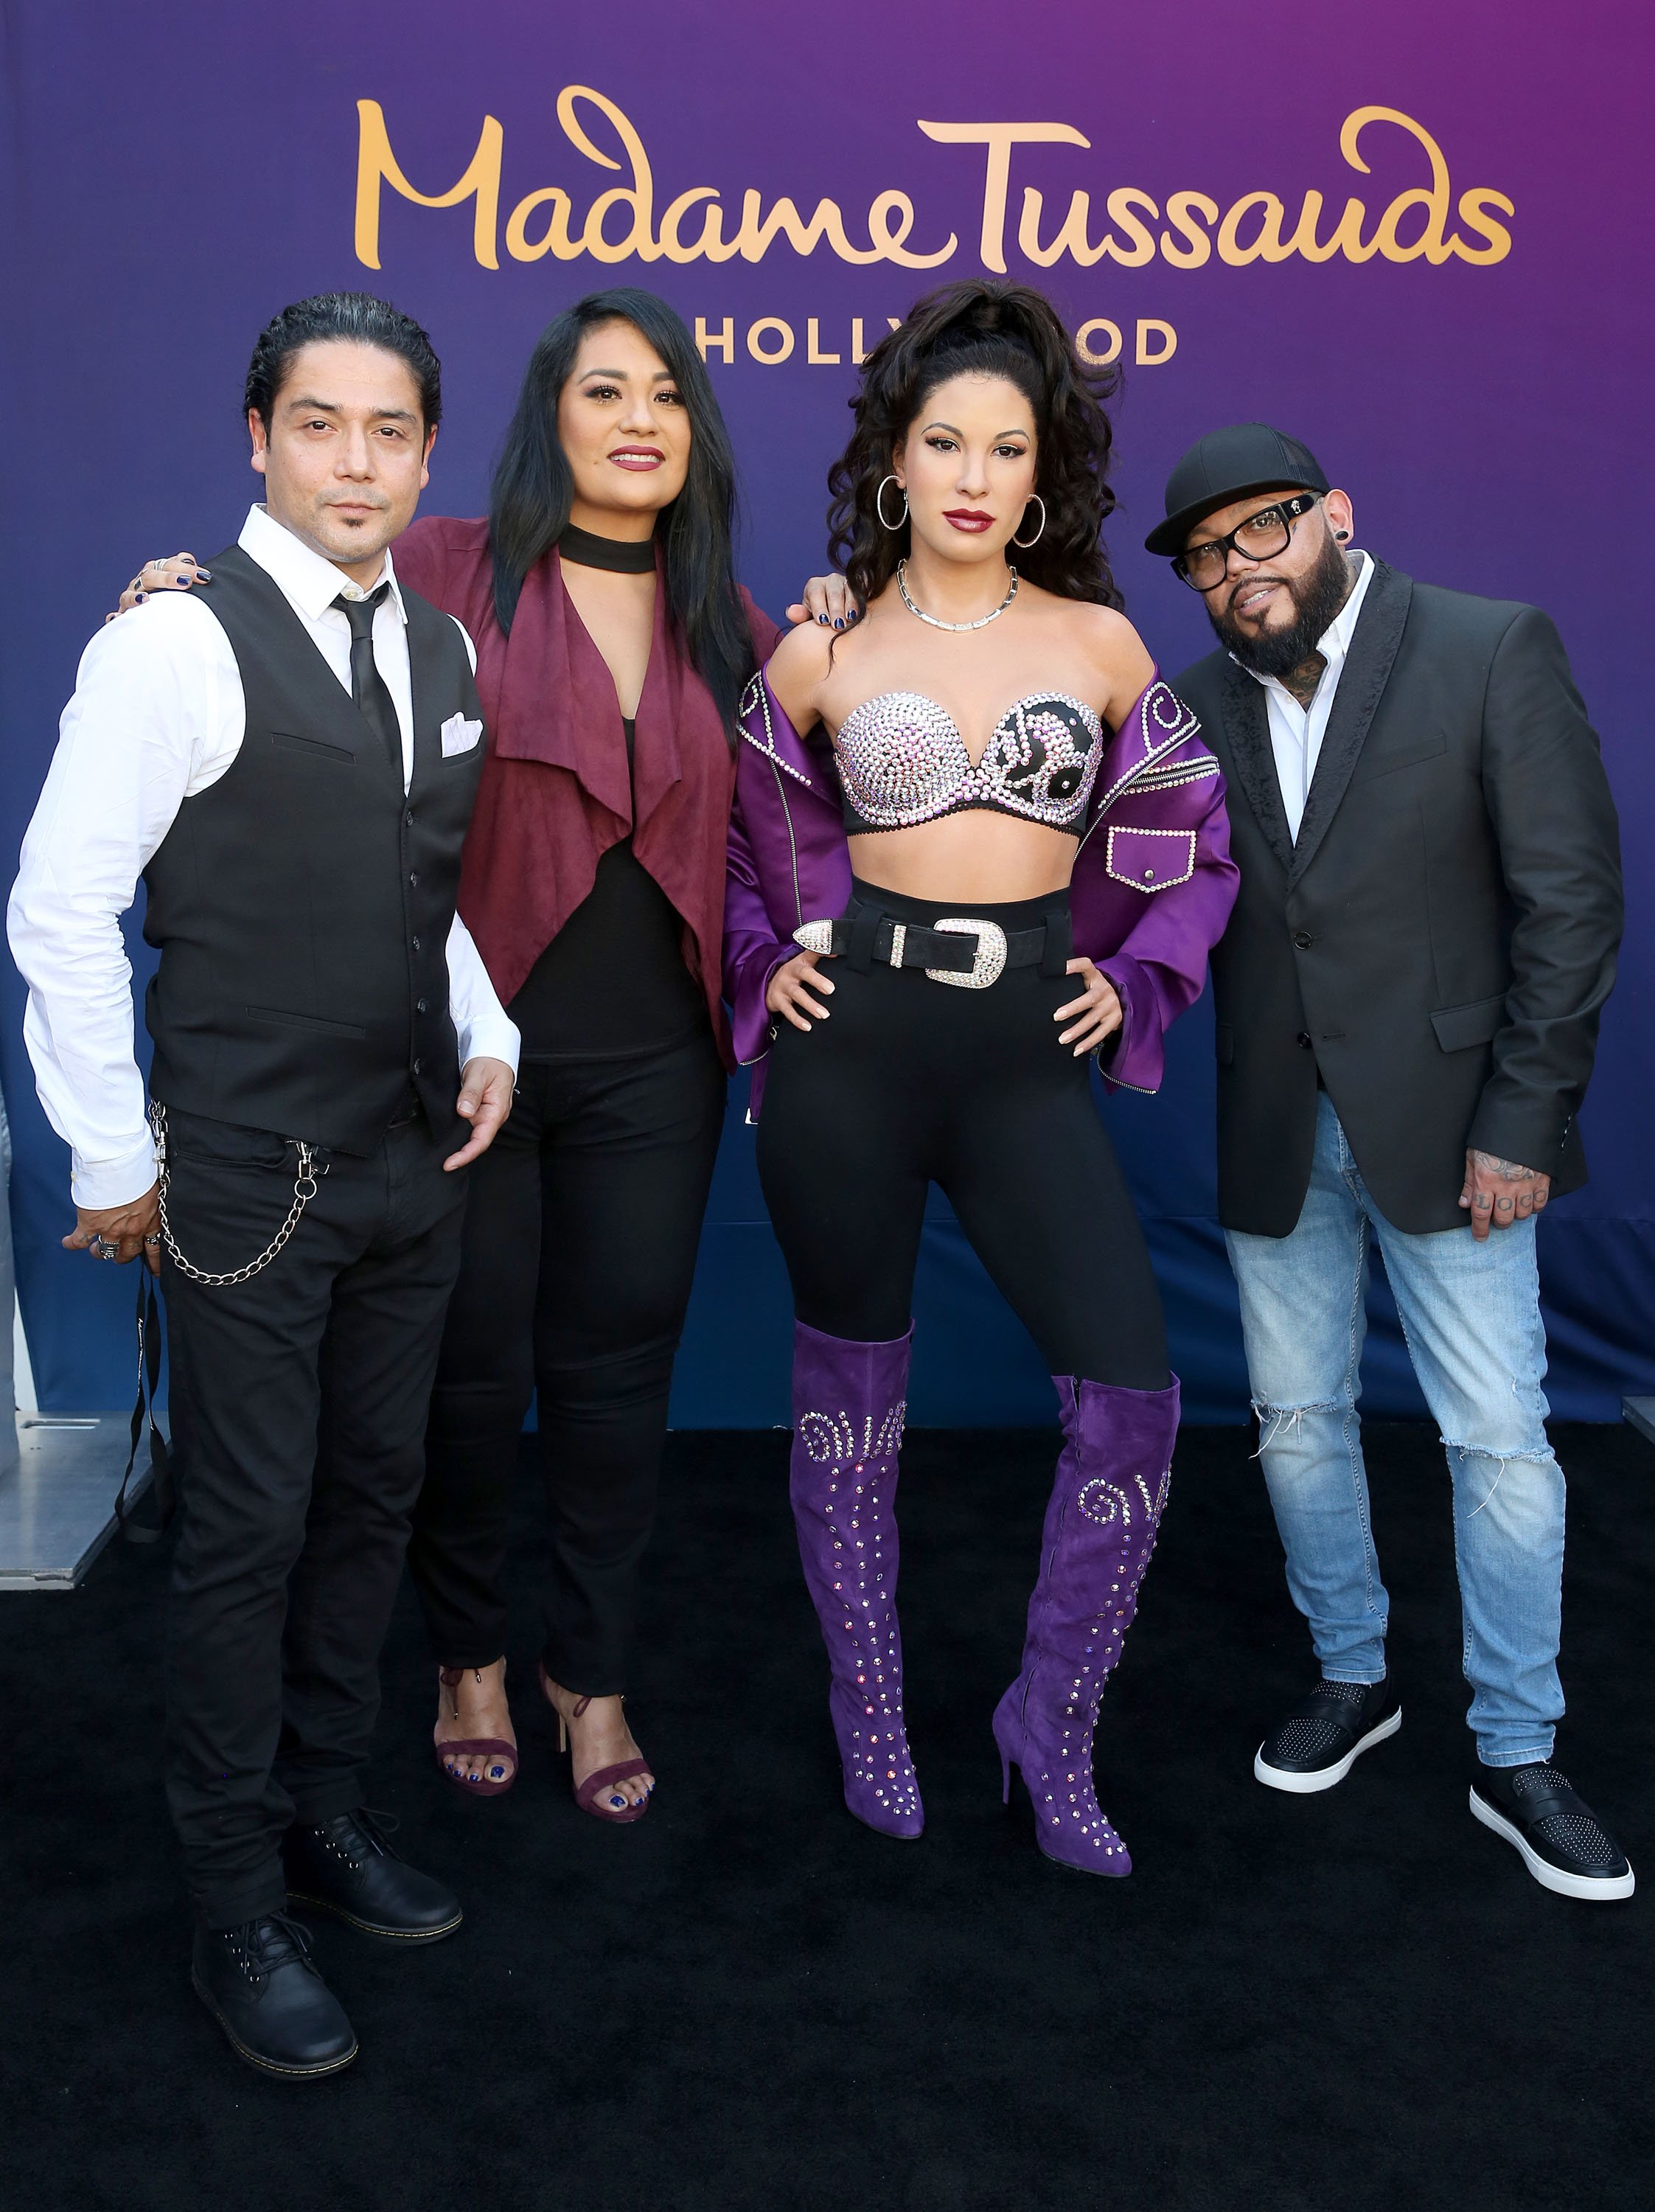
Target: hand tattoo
(1303, 680)
(1508, 1171)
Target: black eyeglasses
(1260, 538)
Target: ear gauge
(1340, 536)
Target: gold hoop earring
(1034, 499)
(879, 504)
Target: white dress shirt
(158, 715)
(1296, 732)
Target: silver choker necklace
(982, 621)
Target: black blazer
(1439, 941)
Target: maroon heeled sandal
(491, 1747)
(603, 1777)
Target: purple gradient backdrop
(172, 178)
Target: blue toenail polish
(620, 1801)
(838, 621)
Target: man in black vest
(1408, 998)
(289, 757)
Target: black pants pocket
(198, 1139)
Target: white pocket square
(459, 736)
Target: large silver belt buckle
(991, 959)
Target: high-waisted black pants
(911, 1082)
(580, 1236)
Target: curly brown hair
(984, 326)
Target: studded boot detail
(849, 1399)
(1100, 1524)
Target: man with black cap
(1407, 998)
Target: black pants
(581, 1240)
(299, 1404)
(911, 1082)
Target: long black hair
(984, 326)
(529, 503)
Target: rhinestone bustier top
(902, 760)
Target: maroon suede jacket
(555, 793)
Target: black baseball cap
(1228, 464)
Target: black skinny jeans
(581, 1230)
(912, 1082)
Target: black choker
(628, 556)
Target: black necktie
(368, 686)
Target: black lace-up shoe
(1325, 1734)
(1563, 1844)
(346, 1867)
(260, 1986)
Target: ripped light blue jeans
(1470, 1313)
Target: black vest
(302, 904)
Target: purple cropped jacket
(1152, 886)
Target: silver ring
(154, 1238)
(104, 1249)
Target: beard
(1316, 597)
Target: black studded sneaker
(260, 1985)
(1560, 1840)
(346, 1867)
(1324, 1735)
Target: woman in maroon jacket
(613, 645)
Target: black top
(612, 984)
(1438, 940)
(301, 904)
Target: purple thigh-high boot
(1106, 1504)
(848, 1403)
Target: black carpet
(1347, 2001)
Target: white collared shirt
(158, 715)
(1296, 732)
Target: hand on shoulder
(137, 634)
(799, 668)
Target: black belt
(966, 950)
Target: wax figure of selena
(1013, 854)
(1408, 998)
(289, 758)
(614, 645)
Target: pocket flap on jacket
(1381, 763)
(319, 1023)
(1148, 860)
(289, 741)
(1458, 1027)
